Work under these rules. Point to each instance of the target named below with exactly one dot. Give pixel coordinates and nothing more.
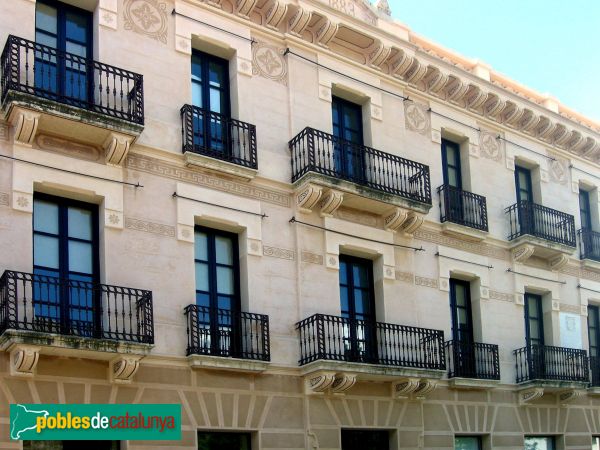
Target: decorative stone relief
(22, 201)
(473, 150)
(107, 14)
(281, 253)
(376, 112)
(436, 237)
(559, 171)
(383, 7)
(544, 177)
(116, 147)
(311, 258)
(412, 223)
(332, 261)
(185, 233)
(490, 146)
(123, 368)
(520, 299)
(568, 397)
(24, 359)
(4, 199)
(502, 296)
(331, 201)
(405, 277)
(555, 305)
(427, 282)
(444, 284)
(529, 395)
(113, 218)
(522, 253)
(425, 388)
(570, 308)
(319, 382)
(3, 131)
(389, 273)
(558, 262)
(70, 148)
(255, 247)
(436, 136)
(343, 382)
(402, 389)
(268, 62)
(510, 163)
(325, 93)
(244, 66)
(149, 227)
(355, 9)
(417, 117)
(147, 17)
(183, 44)
(25, 124)
(308, 197)
(394, 220)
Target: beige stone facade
(287, 60)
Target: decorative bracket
(332, 200)
(425, 387)
(24, 359)
(326, 32)
(343, 382)
(116, 147)
(394, 220)
(245, 7)
(123, 368)
(559, 262)
(308, 197)
(275, 14)
(403, 389)
(299, 21)
(522, 253)
(412, 223)
(26, 124)
(319, 382)
(568, 396)
(528, 395)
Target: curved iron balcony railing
(463, 207)
(542, 222)
(217, 136)
(336, 338)
(315, 151)
(589, 244)
(43, 71)
(44, 304)
(222, 332)
(472, 360)
(543, 362)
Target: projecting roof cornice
(365, 33)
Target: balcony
(463, 213)
(46, 92)
(556, 366)
(74, 318)
(218, 142)
(589, 244)
(472, 364)
(223, 339)
(373, 350)
(359, 176)
(536, 230)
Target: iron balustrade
(543, 362)
(589, 243)
(315, 151)
(463, 207)
(43, 71)
(595, 370)
(472, 360)
(45, 304)
(222, 332)
(542, 222)
(342, 339)
(218, 136)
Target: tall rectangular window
(596, 443)
(451, 164)
(365, 440)
(534, 320)
(584, 210)
(347, 128)
(460, 305)
(223, 441)
(523, 184)
(594, 330)
(467, 443)
(539, 443)
(65, 245)
(217, 288)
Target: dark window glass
(523, 184)
(365, 440)
(460, 303)
(594, 330)
(357, 304)
(539, 443)
(467, 443)
(223, 441)
(534, 323)
(347, 127)
(584, 209)
(451, 164)
(217, 287)
(596, 443)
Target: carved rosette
(268, 62)
(123, 368)
(417, 117)
(529, 395)
(332, 200)
(147, 17)
(24, 359)
(522, 253)
(490, 146)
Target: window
(217, 288)
(534, 322)
(347, 128)
(210, 94)
(539, 443)
(223, 441)
(594, 330)
(523, 184)
(65, 245)
(584, 210)
(596, 443)
(357, 302)
(67, 29)
(467, 443)
(71, 445)
(365, 440)
(451, 164)
(460, 304)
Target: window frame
(551, 438)
(454, 309)
(478, 439)
(204, 62)
(453, 147)
(584, 200)
(528, 187)
(359, 431)
(538, 299)
(595, 329)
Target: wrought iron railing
(542, 222)
(46, 72)
(472, 360)
(222, 332)
(595, 370)
(40, 303)
(589, 244)
(463, 207)
(315, 151)
(543, 362)
(336, 338)
(218, 136)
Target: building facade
(309, 226)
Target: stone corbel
(326, 32)
(116, 146)
(123, 368)
(342, 383)
(412, 223)
(394, 220)
(558, 262)
(568, 396)
(24, 359)
(402, 389)
(416, 72)
(299, 21)
(319, 382)
(401, 63)
(275, 14)
(26, 124)
(245, 7)
(522, 253)
(308, 198)
(529, 395)
(425, 387)
(332, 200)
(377, 54)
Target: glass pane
(215, 101)
(452, 156)
(196, 67)
(76, 49)
(45, 251)
(80, 223)
(344, 306)
(197, 94)
(48, 40)
(532, 304)
(224, 250)
(224, 303)
(466, 443)
(343, 272)
(225, 284)
(452, 177)
(201, 246)
(596, 443)
(45, 17)
(534, 329)
(45, 216)
(80, 257)
(460, 293)
(593, 340)
(202, 277)
(539, 443)
(361, 276)
(202, 300)
(216, 74)
(76, 27)
(461, 315)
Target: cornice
(423, 67)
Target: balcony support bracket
(24, 359)
(527, 396)
(308, 197)
(425, 388)
(116, 146)
(403, 388)
(123, 368)
(568, 396)
(522, 253)
(558, 262)
(332, 200)
(25, 123)
(326, 382)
